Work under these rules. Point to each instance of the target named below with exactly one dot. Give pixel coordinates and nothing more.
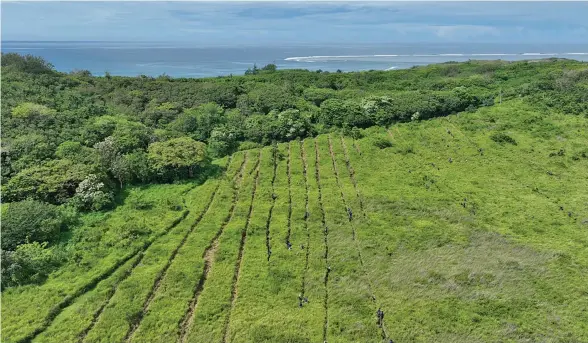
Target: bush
(501, 138)
(30, 221)
(29, 263)
(381, 142)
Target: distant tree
(30, 110)
(138, 162)
(178, 153)
(29, 149)
(199, 121)
(251, 71)
(270, 67)
(27, 63)
(318, 95)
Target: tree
(30, 221)
(121, 169)
(92, 194)
(54, 181)
(178, 153)
(29, 149)
(318, 95)
(199, 121)
(222, 141)
(138, 162)
(335, 112)
(29, 110)
(27, 63)
(271, 67)
(29, 263)
(130, 135)
(292, 124)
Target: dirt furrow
(289, 173)
(208, 257)
(68, 300)
(352, 175)
(237, 273)
(355, 239)
(326, 236)
(306, 215)
(271, 210)
(162, 274)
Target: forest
(107, 180)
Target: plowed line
(237, 273)
(67, 301)
(357, 244)
(271, 210)
(163, 273)
(326, 236)
(208, 257)
(352, 175)
(304, 172)
(98, 313)
(289, 173)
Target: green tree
(29, 263)
(30, 221)
(54, 181)
(92, 194)
(292, 124)
(222, 141)
(30, 110)
(178, 153)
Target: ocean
(189, 60)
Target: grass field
(457, 235)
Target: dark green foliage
(30, 221)
(28, 63)
(29, 263)
(381, 142)
(54, 181)
(502, 138)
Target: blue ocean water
(188, 60)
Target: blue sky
(228, 23)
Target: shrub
(29, 263)
(381, 142)
(501, 138)
(30, 221)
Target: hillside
(455, 232)
(292, 206)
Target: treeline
(71, 141)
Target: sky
(254, 23)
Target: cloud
(464, 31)
(282, 22)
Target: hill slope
(471, 227)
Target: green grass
(462, 238)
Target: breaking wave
(383, 56)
